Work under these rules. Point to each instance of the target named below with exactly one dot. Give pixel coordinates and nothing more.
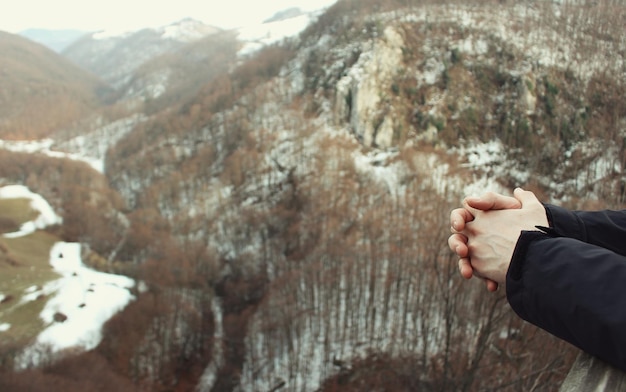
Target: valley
(274, 207)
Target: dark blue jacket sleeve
(606, 228)
(574, 288)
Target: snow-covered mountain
(154, 64)
(114, 56)
(288, 207)
(286, 24)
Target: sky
(95, 15)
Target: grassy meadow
(24, 269)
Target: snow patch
(375, 163)
(483, 154)
(474, 46)
(44, 147)
(258, 36)
(490, 162)
(83, 301)
(187, 30)
(47, 216)
(92, 148)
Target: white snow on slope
(83, 297)
(187, 30)
(43, 147)
(258, 36)
(46, 217)
(538, 44)
(88, 298)
(376, 164)
(184, 30)
(92, 147)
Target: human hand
(493, 234)
(461, 216)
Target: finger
(459, 217)
(492, 201)
(465, 268)
(458, 244)
(491, 285)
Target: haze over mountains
(41, 90)
(56, 40)
(114, 58)
(282, 191)
(152, 64)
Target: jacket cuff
(514, 278)
(565, 223)
(519, 253)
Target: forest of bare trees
(281, 254)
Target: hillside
(41, 273)
(41, 91)
(313, 219)
(114, 56)
(288, 211)
(168, 79)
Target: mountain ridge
(42, 91)
(288, 215)
(114, 56)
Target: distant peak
(188, 29)
(184, 30)
(288, 13)
(111, 33)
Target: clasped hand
(486, 229)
